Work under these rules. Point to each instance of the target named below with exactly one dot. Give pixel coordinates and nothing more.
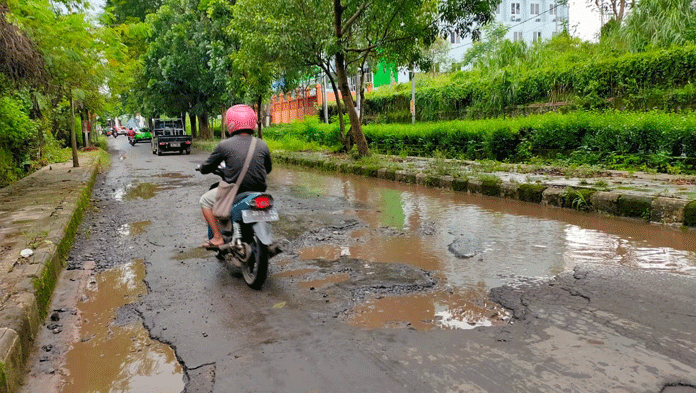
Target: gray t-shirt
(233, 151)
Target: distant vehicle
(141, 135)
(169, 135)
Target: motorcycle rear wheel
(255, 269)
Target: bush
(659, 79)
(17, 134)
(656, 140)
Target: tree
(22, 62)
(129, 11)
(340, 35)
(615, 9)
(659, 23)
(185, 68)
(72, 49)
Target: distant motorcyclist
(241, 122)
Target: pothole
(118, 357)
(427, 311)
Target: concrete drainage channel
(643, 203)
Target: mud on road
(333, 316)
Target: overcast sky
(583, 22)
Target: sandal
(210, 246)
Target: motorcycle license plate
(175, 144)
(259, 215)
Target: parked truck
(169, 135)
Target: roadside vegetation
(623, 102)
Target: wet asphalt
(605, 328)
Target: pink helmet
(240, 117)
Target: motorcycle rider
(241, 122)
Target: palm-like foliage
(660, 23)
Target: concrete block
(460, 184)
(446, 182)
(27, 302)
(531, 192)
(509, 190)
(421, 179)
(405, 177)
(475, 186)
(20, 320)
(606, 202)
(668, 210)
(638, 206)
(12, 359)
(553, 196)
(32, 270)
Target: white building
(526, 20)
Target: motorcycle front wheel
(255, 269)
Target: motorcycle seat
(242, 195)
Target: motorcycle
(248, 241)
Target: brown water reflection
(112, 358)
(518, 239)
(417, 225)
(142, 191)
(332, 279)
(423, 312)
(134, 228)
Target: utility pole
(323, 101)
(413, 97)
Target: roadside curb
(41, 212)
(652, 208)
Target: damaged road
(382, 288)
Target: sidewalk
(41, 212)
(658, 198)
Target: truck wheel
(159, 151)
(188, 151)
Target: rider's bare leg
(213, 223)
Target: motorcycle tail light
(263, 201)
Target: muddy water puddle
(471, 240)
(134, 228)
(424, 312)
(137, 191)
(109, 357)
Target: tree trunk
(355, 126)
(35, 114)
(259, 117)
(192, 118)
(203, 126)
(83, 127)
(223, 125)
(73, 138)
(345, 139)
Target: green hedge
(657, 140)
(656, 79)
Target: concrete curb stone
(45, 209)
(668, 210)
(655, 208)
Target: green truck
(141, 135)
